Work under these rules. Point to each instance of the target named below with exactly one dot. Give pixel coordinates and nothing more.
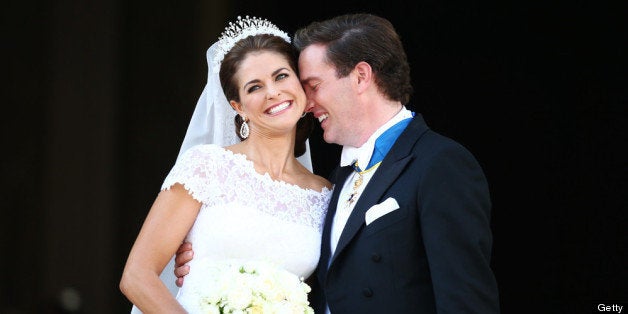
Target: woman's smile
(278, 108)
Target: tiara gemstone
(242, 28)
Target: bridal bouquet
(251, 287)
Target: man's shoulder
(432, 144)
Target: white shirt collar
(363, 154)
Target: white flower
(250, 288)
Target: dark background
(98, 95)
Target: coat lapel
(384, 177)
(338, 179)
(390, 169)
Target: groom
(408, 225)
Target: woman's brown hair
(231, 63)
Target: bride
(236, 200)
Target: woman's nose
(272, 92)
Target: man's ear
(364, 74)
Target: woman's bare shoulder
(316, 182)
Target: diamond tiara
(242, 28)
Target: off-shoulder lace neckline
(266, 175)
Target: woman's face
(271, 96)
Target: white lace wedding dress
(246, 215)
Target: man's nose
(309, 105)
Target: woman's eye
(281, 76)
(252, 89)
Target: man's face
(330, 99)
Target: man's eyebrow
(307, 80)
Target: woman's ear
(237, 107)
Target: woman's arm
(170, 218)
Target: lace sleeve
(194, 171)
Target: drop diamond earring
(244, 129)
